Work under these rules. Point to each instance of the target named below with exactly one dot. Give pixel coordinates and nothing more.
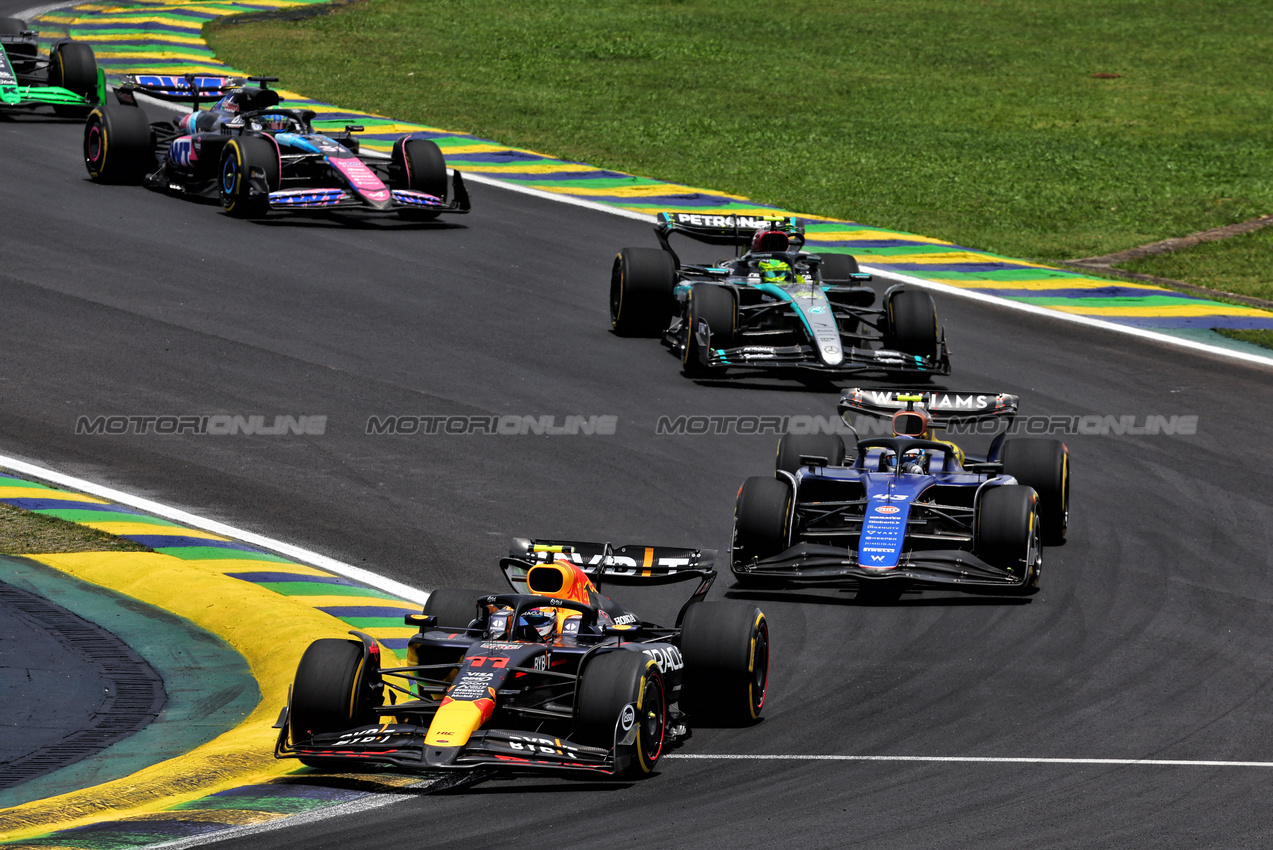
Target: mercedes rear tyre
(1007, 533)
(621, 693)
(332, 692)
(118, 146)
(1045, 466)
(714, 310)
(911, 323)
(641, 284)
(726, 651)
(245, 159)
(792, 447)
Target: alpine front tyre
(247, 162)
(418, 164)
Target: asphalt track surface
(1149, 639)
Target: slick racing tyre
(1045, 466)
(332, 692)
(72, 66)
(1008, 531)
(12, 26)
(911, 323)
(718, 308)
(118, 147)
(455, 609)
(794, 446)
(641, 283)
(726, 651)
(243, 159)
(762, 515)
(418, 164)
(617, 692)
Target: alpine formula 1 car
(68, 79)
(554, 676)
(774, 306)
(258, 157)
(905, 511)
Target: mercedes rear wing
(736, 230)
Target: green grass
(1239, 264)
(1264, 338)
(977, 122)
(23, 532)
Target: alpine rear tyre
(117, 145)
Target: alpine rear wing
(187, 88)
(944, 407)
(628, 564)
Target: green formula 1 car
(68, 79)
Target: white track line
(978, 760)
(1087, 321)
(340, 810)
(158, 509)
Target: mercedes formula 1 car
(905, 511)
(68, 79)
(554, 676)
(774, 306)
(258, 157)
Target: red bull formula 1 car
(905, 511)
(773, 307)
(554, 676)
(257, 157)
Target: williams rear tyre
(332, 692)
(73, 66)
(1045, 466)
(454, 608)
(762, 516)
(641, 284)
(794, 446)
(716, 307)
(619, 692)
(1007, 534)
(911, 323)
(726, 650)
(118, 145)
(244, 161)
(418, 164)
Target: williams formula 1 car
(774, 306)
(905, 511)
(554, 676)
(68, 79)
(258, 157)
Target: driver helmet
(272, 122)
(540, 621)
(775, 271)
(914, 462)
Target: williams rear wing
(612, 564)
(944, 407)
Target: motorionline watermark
(214, 424)
(503, 425)
(868, 426)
